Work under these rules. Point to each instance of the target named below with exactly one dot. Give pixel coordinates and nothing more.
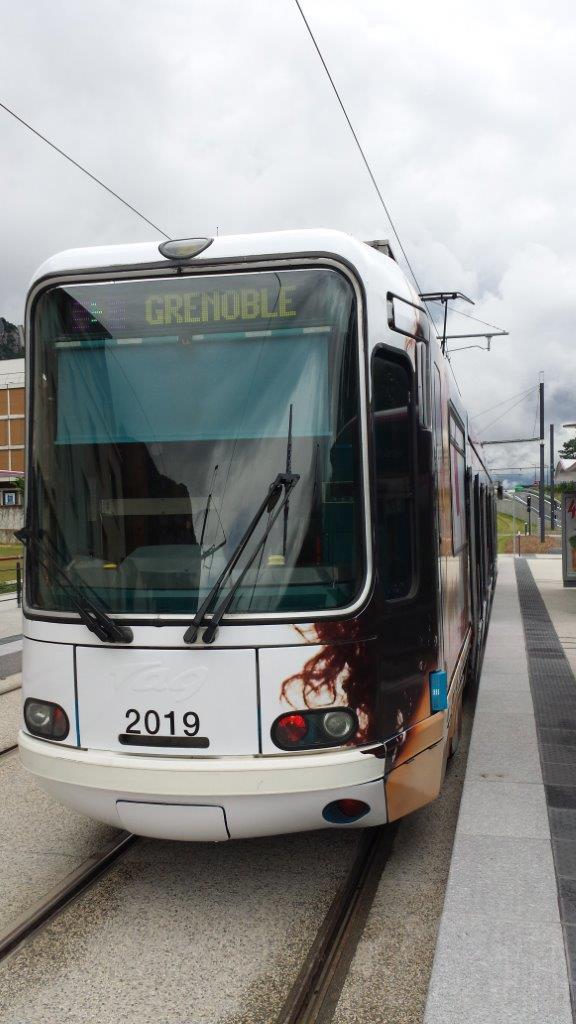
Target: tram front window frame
(52, 500)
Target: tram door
(440, 498)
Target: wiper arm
(283, 482)
(211, 631)
(93, 617)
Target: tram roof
(374, 266)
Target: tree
(568, 449)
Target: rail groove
(315, 993)
(60, 896)
(10, 689)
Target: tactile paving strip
(553, 688)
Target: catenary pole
(552, 516)
(541, 492)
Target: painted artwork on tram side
(338, 672)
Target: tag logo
(161, 679)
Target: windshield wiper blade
(283, 482)
(93, 617)
(211, 631)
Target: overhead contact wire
(82, 168)
(469, 316)
(504, 401)
(505, 413)
(358, 143)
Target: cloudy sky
(211, 114)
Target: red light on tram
(352, 808)
(290, 730)
(345, 811)
(59, 723)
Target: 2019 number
(152, 721)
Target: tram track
(6, 746)
(314, 995)
(10, 689)
(311, 972)
(60, 896)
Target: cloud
(220, 114)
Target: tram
(260, 542)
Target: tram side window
(458, 478)
(392, 426)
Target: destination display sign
(221, 305)
(193, 305)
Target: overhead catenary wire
(504, 401)
(469, 316)
(536, 410)
(358, 143)
(505, 413)
(371, 174)
(80, 167)
(454, 375)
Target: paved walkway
(500, 957)
(560, 601)
(10, 618)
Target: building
(12, 430)
(565, 471)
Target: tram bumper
(208, 799)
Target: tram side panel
(404, 612)
(483, 552)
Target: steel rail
(72, 886)
(12, 746)
(315, 993)
(11, 639)
(10, 689)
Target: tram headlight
(45, 719)
(339, 725)
(307, 730)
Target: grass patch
(8, 568)
(504, 526)
(528, 545)
(11, 549)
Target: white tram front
(241, 616)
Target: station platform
(506, 949)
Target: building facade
(565, 471)
(12, 430)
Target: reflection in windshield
(155, 432)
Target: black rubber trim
(131, 739)
(305, 260)
(553, 689)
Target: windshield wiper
(93, 617)
(283, 482)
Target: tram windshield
(161, 410)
